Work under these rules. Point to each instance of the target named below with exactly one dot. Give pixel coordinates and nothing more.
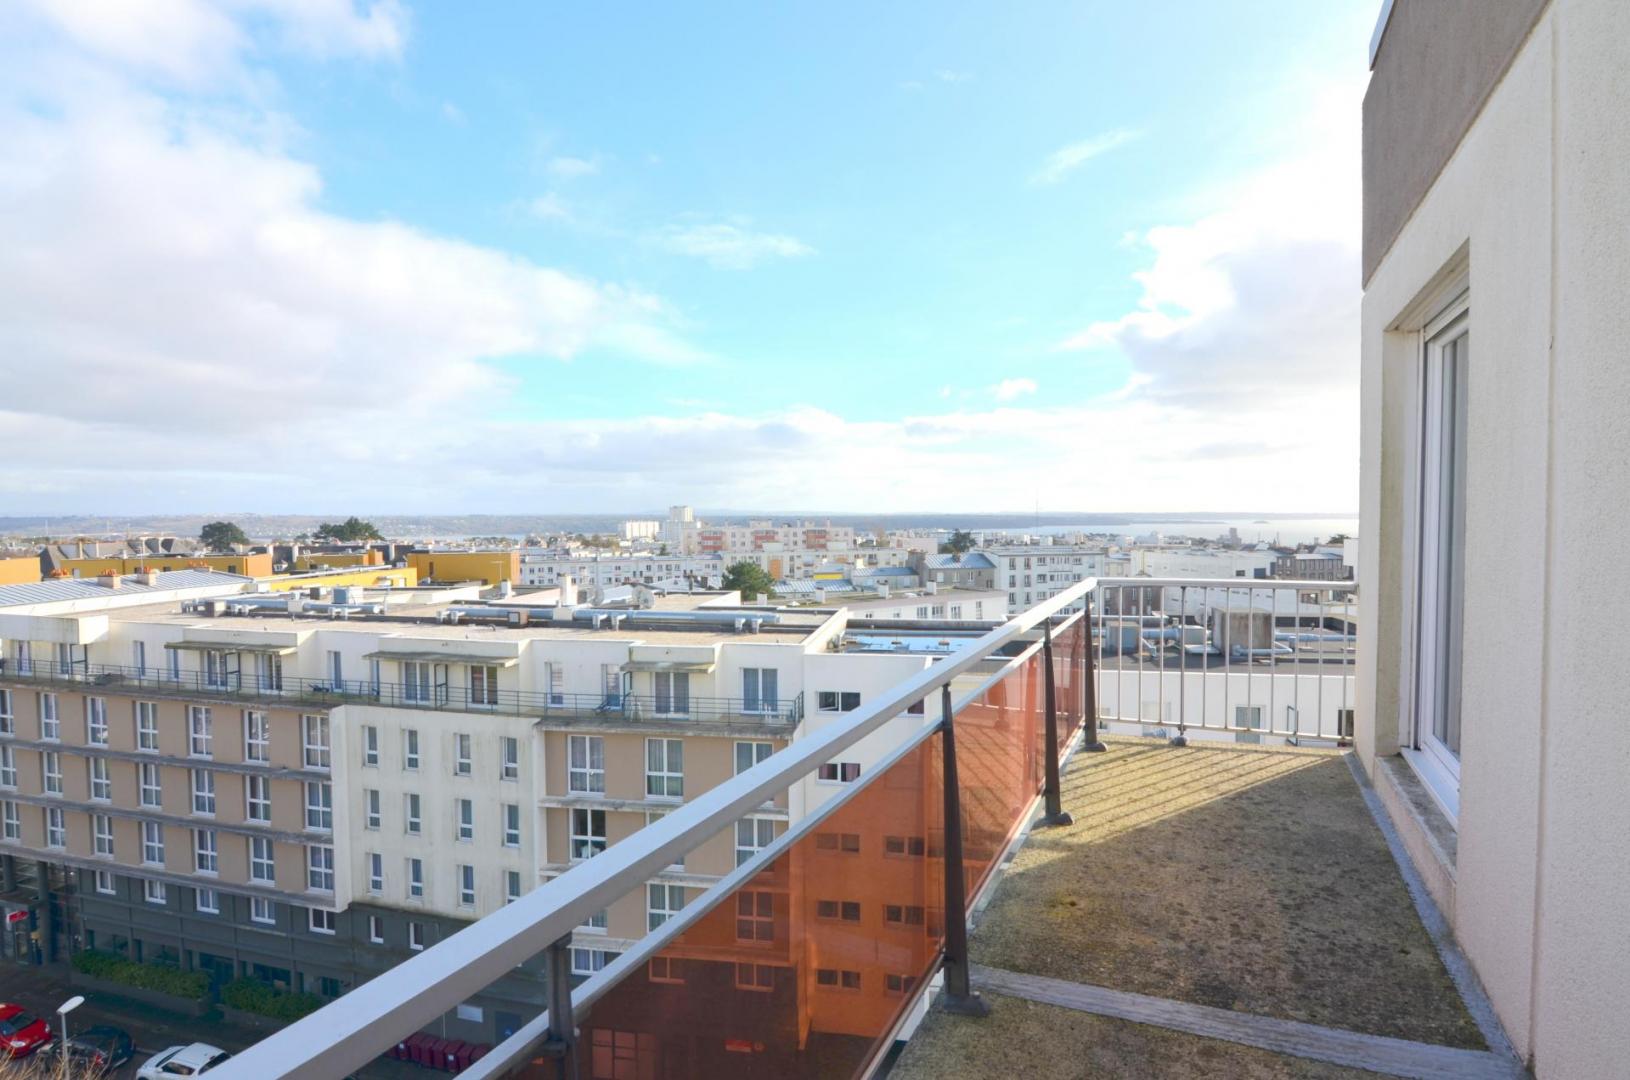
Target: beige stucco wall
(1536, 201)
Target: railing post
(561, 1043)
(1089, 704)
(1054, 813)
(959, 996)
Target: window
(154, 892)
(51, 772)
(415, 681)
(473, 1013)
(839, 772)
(149, 786)
(749, 754)
(755, 916)
(837, 979)
(102, 835)
(902, 915)
(147, 726)
(203, 792)
(152, 843)
(842, 910)
(410, 813)
(838, 701)
(665, 969)
(466, 885)
(465, 829)
(1440, 572)
(588, 837)
(665, 768)
(416, 936)
(50, 728)
(899, 984)
(8, 725)
(483, 684)
(56, 834)
(512, 825)
(662, 902)
(555, 678)
(320, 868)
(269, 672)
(589, 961)
(512, 886)
(175, 664)
(320, 921)
(461, 755)
(410, 749)
(11, 822)
(586, 764)
(320, 805)
(370, 746)
(8, 767)
(262, 910)
(509, 758)
(372, 816)
(206, 901)
(315, 728)
(205, 855)
(200, 732)
(415, 879)
(103, 882)
(138, 658)
(101, 785)
(839, 843)
(96, 721)
(752, 836)
(759, 691)
(903, 846)
(376, 872)
(336, 669)
(595, 923)
(376, 930)
(262, 870)
(756, 977)
(257, 736)
(673, 693)
(258, 798)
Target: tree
(960, 543)
(350, 529)
(222, 536)
(749, 579)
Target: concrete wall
(1534, 204)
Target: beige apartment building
(307, 787)
(1496, 267)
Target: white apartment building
(546, 567)
(1032, 573)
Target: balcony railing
(809, 957)
(288, 690)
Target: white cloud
(1008, 389)
(452, 113)
(946, 75)
(1066, 159)
(1258, 297)
(549, 207)
(570, 168)
(729, 247)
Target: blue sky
(529, 257)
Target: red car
(21, 1032)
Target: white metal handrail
(349, 1032)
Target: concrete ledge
(1427, 835)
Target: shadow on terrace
(1250, 882)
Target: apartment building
(546, 568)
(1494, 389)
(1032, 573)
(307, 791)
(699, 538)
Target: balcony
(1216, 900)
(632, 711)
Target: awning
(232, 646)
(444, 658)
(699, 667)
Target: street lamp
(63, 1010)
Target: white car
(182, 1061)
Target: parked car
(98, 1050)
(182, 1061)
(21, 1032)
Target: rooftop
(1203, 898)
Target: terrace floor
(1214, 911)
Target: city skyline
(633, 261)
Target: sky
(323, 256)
